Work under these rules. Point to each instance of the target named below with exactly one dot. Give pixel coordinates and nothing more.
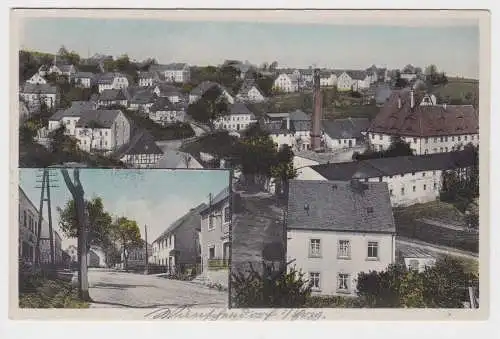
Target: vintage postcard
(258, 164)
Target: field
(408, 226)
(459, 91)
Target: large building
(29, 218)
(175, 72)
(291, 128)
(336, 230)
(427, 126)
(34, 95)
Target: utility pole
(146, 244)
(46, 185)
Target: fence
(179, 269)
(218, 264)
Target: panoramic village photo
(123, 238)
(316, 165)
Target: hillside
(458, 91)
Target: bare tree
(76, 189)
(186, 158)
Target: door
(350, 143)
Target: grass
(459, 90)
(41, 292)
(407, 225)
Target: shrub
(333, 302)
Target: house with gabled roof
(141, 151)
(239, 118)
(165, 112)
(344, 133)
(36, 94)
(142, 100)
(147, 79)
(167, 90)
(203, 87)
(36, 79)
(84, 79)
(250, 92)
(290, 128)
(178, 247)
(287, 82)
(338, 229)
(112, 80)
(174, 72)
(353, 80)
(427, 127)
(113, 97)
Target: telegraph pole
(146, 236)
(46, 185)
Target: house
(214, 234)
(292, 129)
(203, 87)
(250, 92)
(112, 81)
(113, 97)
(29, 219)
(148, 79)
(24, 112)
(410, 179)
(427, 127)
(353, 81)
(243, 68)
(36, 94)
(287, 82)
(372, 72)
(96, 257)
(172, 93)
(95, 129)
(329, 78)
(164, 112)
(344, 133)
(58, 68)
(336, 230)
(239, 118)
(84, 79)
(142, 100)
(141, 151)
(36, 79)
(136, 256)
(413, 257)
(174, 72)
(178, 247)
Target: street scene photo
(123, 238)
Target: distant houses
(112, 80)
(140, 152)
(239, 118)
(292, 129)
(174, 72)
(34, 95)
(344, 133)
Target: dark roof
(148, 75)
(173, 66)
(39, 88)
(108, 78)
(345, 128)
(141, 143)
(103, 117)
(247, 86)
(239, 108)
(339, 206)
(220, 197)
(423, 121)
(192, 217)
(167, 89)
(299, 115)
(75, 110)
(382, 94)
(84, 75)
(112, 94)
(357, 75)
(203, 87)
(143, 97)
(372, 168)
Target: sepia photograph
(122, 238)
(237, 161)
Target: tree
(399, 82)
(397, 148)
(76, 189)
(129, 236)
(209, 107)
(283, 170)
(273, 66)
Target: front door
(350, 143)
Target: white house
(165, 113)
(286, 83)
(344, 133)
(329, 78)
(113, 97)
(136, 256)
(58, 68)
(84, 79)
(141, 151)
(112, 81)
(292, 128)
(203, 87)
(214, 234)
(413, 257)
(172, 93)
(35, 94)
(178, 247)
(96, 130)
(426, 126)
(36, 79)
(353, 80)
(175, 72)
(410, 179)
(336, 230)
(142, 100)
(238, 118)
(148, 79)
(250, 92)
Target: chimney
(399, 102)
(444, 106)
(288, 123)
(412, 99)
(316, 116)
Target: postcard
(250, 165)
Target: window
(413, 265)
(452, 138)
(459, 138)
(380, 137)
(441, 149)
(379, 179)
(402, 175)
(315, 248)
(314, 280)
(441, 139)
(390, 176)
(372, 250)
(426, 140)
(211, 252)
(433, 172)
(445, 138)
(434, 150)
(211, 222)
(465, 138)
(423, 174)
(435, 186)
(435, 139)
(390, 192)
(343, 282)
(373, 136)
(472, 137)
(425, 187)
(414, 140)
(414, 188)
(413, 173)
(25, 218)
(369, 209)
(227, 214)
(344, 250)
(446, 149)
(402, 191)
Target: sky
(155, 197)
(453, 48)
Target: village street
(120, 289)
